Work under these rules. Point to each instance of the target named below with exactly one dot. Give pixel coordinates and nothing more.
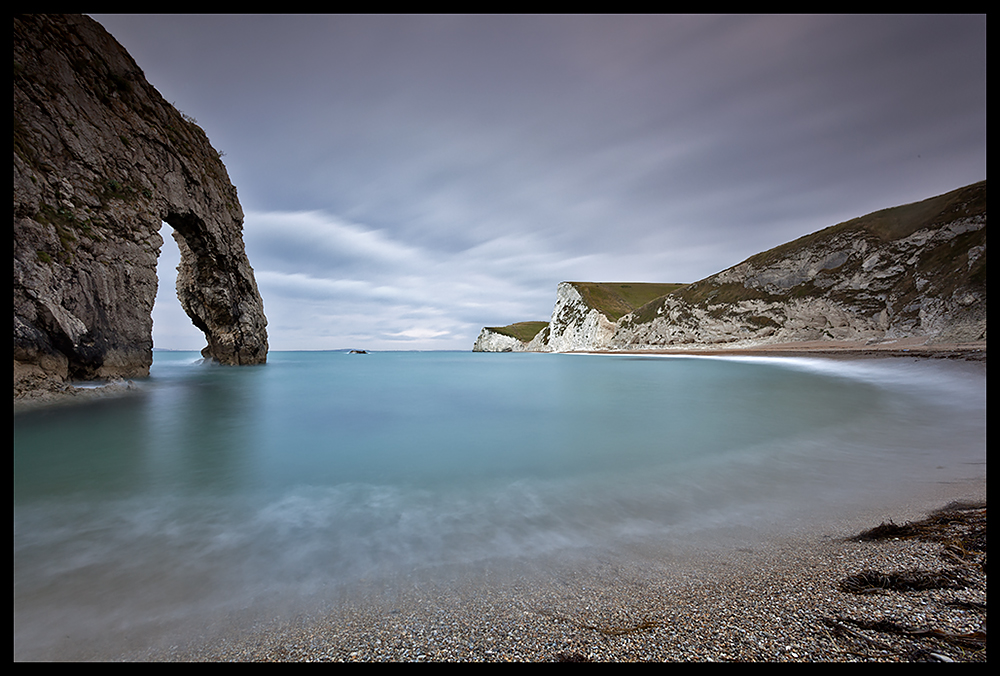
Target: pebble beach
(827, 596)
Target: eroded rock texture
(100, 161)
(912, 271)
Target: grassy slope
(523, 331)
(615, 299)
(886, 224)
(895, 222)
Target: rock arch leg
(217, 289)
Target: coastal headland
(909, 275)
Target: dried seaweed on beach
(960, 530)
(974, 640)
(607, 630)
(907, 580)
(571, 657)
(960, 527)
(969, 519)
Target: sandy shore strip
(793, 597)
(835, 349)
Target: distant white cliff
(917, 270)
(575, 325)
(520, 337)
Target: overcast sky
(407, 180)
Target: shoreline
(832, 349)
(778, 600)
(54, 395)
(70, 394)
(765, 597)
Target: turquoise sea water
(219, 488)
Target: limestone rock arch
(101, 160)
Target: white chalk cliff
(500, 339)
(914, 271)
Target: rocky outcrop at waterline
(518, 337)
(101, 160)
(913, 271)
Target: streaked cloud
(409, 179)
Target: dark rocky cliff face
(100, 161)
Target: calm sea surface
(220, 488)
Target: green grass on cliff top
(615, 299)
(523, 331)
(893, 223)
(886, 224)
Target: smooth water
(217, 489)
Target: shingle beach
(829, 597)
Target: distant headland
(907, 277)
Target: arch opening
(172, 328)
